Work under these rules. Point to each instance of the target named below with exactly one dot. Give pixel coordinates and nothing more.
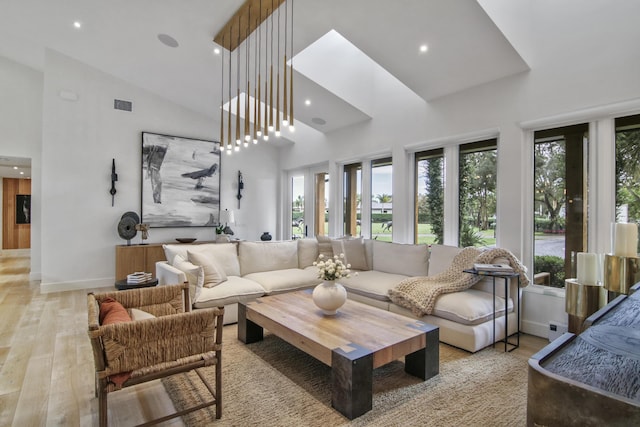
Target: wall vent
(119, 104)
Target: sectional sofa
(228, 273)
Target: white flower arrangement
(332, 268)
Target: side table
(506, 276)
(122, 285)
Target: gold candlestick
(620, 274)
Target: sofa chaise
(226, 274)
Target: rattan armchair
(177, 340)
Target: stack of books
(493, 268)
(139, 277)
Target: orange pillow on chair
(111, 311)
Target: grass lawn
(425, 236)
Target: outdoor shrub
(554, 265)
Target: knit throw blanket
(419, 294)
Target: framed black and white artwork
(180, 181)
(23, 209)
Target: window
(477, 194)
(381, 199)
(560, 202)
(352, 199)
(297, 207)
(321, 226)
(429, 197)
(628, 169)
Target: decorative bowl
(186, 239)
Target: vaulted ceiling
(337, 45)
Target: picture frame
(180, 181)
(23, 209)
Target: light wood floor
(46, 365)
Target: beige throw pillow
(213, 274)
(324, 246)
(353, 250)
(194, 274)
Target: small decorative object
(265, 236)
(186, 239)
(222, 238)
(127, 226)
(329, 296)
(144, 229)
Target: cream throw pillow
(353, 250)
(194, 274)
(137, 314)
(324, 246)
(213, 273)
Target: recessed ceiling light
(167, 40)
(77, 24)
(21, 173)
(15, 168)
(424, 48)
(307, 102)
(216, 50)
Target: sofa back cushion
(256, 257)
(441, 257)
(307, 252)
(353, 250)
(224, 254)
(324, 246)
(396, 258)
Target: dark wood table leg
(248, 331)
(352, 381)
(425, 363)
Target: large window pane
(477, 194)
(628, 169)
(429, 200)
(560, 202)
(381, 199)
(352, 199)
(297, 207)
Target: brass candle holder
(620, 274)
(581, 301)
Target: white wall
(20, 134)
(80, 139)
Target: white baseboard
(76, 285)
(535, 328)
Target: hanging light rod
(240, 23)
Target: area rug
(273, 383)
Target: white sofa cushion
(373, 284)
(353, 250)
(307, 252)
(469, 307)
(324, 246)
(193, 273)
(396, 258)
(225, 254)
(257, 257)
(441, 257)
(285, 280)
(235, 289)
(213, 273)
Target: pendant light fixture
(264, 112)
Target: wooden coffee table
(354, 342)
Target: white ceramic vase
(329, 296)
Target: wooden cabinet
(137, 258)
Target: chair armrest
(129, 346)
(168, 274)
